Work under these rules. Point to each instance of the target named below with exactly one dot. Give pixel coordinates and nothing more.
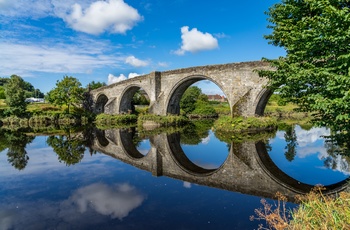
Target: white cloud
(195, 41)
(114, 201)
(114, 16)
(163, 64)
(26, 8)
(131, 60)
(23, 59)
(132, 75)
(114, 79)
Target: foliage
(170, 120)
(122, 119)
(2, 93)
(195, 131)
(68, 149)
(315, 72)
(221, 108)
(3, 81)
(15, 142)
(189, 98)
(15, 96)
(95, 85)
(240, 124)
(291, 140)
(316, 211)
(68, 92)
(203, 109)
(139, 98)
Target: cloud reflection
(116, 201)
(187, 184)
(6, 219)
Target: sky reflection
(313, 162)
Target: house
(217, 98)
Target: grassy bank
(316, 211)
(241, 124)
(161, 121)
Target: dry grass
(316, 211)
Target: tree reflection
(291, 140)
(16, 142)
(338, 146)
(69, 150)
(196, 131)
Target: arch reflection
(130, 141)
(247, 169)
(284, 179)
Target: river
(191, 178)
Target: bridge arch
(261, 101)
(126, 101)
(174, 98)
(101, 101)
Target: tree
(315, 72)
(95, 85)
(69, 150)
(189, 99)
(16, 144)
(68, 92)
(140, 98)
(15, 95)
(292, 143)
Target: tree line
(68, 91)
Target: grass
(241, 124)
(115, 120)
(316, 211)
(170, 120)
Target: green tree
(315, 72)
(2, 93)
(69, 150)
(68, 92)
(189, 99)
(139, 98)
(15, 95)
(292, 143)
(95, 85)
(16, 144)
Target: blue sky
(111, 40)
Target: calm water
(125, 180)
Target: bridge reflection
(248, 168)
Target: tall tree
(15, 95)
(189, 99)
(315, 72)
(68, 92)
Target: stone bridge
(248, 168)
(244, 89)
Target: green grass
(240, 124)
(316, 211)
